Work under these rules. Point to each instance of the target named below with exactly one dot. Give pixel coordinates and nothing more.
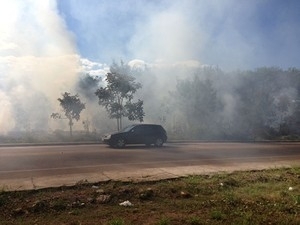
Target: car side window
(144, 130)
(137, 129)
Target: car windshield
(128, 128)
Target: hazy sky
(233, 34)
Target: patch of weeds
(59, 205)
(19, 212)
(293, 171)
(193, 180)
(263, 178)
(39, 206)
(126, 192)
(117, 222)
(147, 194)
(290, 209)
(82, 183)
(75, 212)
(297, 199)
(231, 182)
(75, 223)
(164, 221)
(3, 199)
(255, 197)
(290, 198)
(232, 199)
(284, 194)
(194, 221)
(246, 218)
(217, 215)
(205, 190)
(265, 191)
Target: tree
(198, 101)
(71, 106)
(118, 94)
(256, 108)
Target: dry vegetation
(253, 197)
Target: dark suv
(147, 134)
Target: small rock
(77, 204)
(291, 188)
(185, 194)
(126, 204)
(103, 199)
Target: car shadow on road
(164, 148)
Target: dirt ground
(249, 197)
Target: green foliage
(59, 205)
(117, 222)
(3, 199)
(135, 111)
(217, 215)
(199, 102)
(194, 221)
(266, 106)
(247, 105)
(256, 107)
(118, 94)
(71, 106)
(164, 221)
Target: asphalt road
(27, 167)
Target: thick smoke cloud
(38, 61)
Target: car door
(135, 135)
(149, 134)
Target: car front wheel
(158, 142)
(120, 143)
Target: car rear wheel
(158, 142)
(120, 143)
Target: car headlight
(107, 136)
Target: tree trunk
(121, 123)
(71, 124)
(118, 124)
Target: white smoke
(39, 59)
(232, 34)
(38, 62)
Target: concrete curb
(130, 175)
